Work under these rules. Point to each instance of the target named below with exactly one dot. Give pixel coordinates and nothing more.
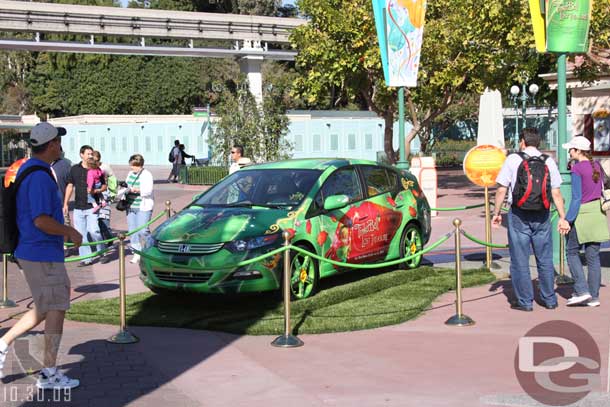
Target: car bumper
(210, 273)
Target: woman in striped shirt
(139, 181)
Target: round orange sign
(482, 164)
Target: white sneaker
(57, 381)
(593, 303)
(579, 299)
(2, 359)
(135, 259)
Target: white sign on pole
(424, 169)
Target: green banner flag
(568, 25)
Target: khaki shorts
(49, 284)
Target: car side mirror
(197, 196)
(335, 202)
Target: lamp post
(523, 97)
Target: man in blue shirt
(41, 256)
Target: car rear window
(378, 180)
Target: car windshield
(268, 188)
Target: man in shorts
(40, 255)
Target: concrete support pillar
(251, 66)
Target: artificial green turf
(375, 299)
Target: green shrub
(202, 175)
(450, 153)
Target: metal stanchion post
(487, 230)
(168, 208)
(287, 340)
(6, 303)
(490, 264)
(562, 279)
(124, 336)
(459, 319)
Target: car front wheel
(304, 279)
(411, 243)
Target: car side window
(378, 180)
(344, 181)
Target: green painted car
(353, 211)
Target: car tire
(411, 242)
(305, 277)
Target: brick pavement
(422, 362)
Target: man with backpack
(532, 180)
(40, 253)
(175, 157)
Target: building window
(148, 144)
(113, 144)
(316, 142)
(334, 142)
(103, 144)
(597, 127)
(368, 141)
(298, 142)
(160, 145)
(351, 141)
(92, 142)
(136, 145)
(125, 144)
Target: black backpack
(171, 157)
(9, 234)
(532, 191)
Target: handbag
(605, 198)
(129, 198)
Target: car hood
(219, 224)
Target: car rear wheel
(411, 243)
(304, 281)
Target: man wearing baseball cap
(40, 254)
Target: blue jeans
(582, 285)
(135, 219)
(85, 221)
(528, 229)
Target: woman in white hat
(588, 221)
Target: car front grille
(181, 277)
(186, 248)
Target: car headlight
(150, 242)
(242, 245)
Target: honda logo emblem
(184, 248)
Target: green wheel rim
(303, 280)
(413, 244)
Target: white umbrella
(491, 121)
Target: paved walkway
(418, 363)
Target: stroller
(199, 162)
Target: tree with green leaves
(260, 129)
(467, 45)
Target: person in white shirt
(529, 229)
(239, 161)
(140, 182)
